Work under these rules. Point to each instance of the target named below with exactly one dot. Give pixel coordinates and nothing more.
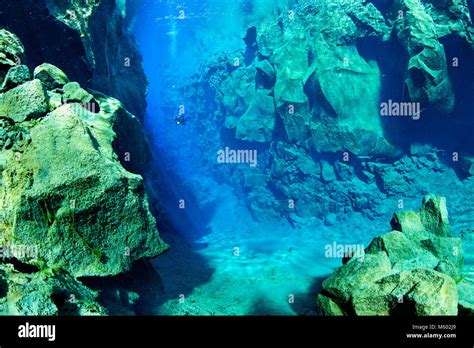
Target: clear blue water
(275, 261)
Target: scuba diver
(180, 120)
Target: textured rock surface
(428, 80)
(69, 202)
(258, 123)
(45, 292)
(25, 102)
(15, 77)
(411, 271)
(72, 92)
(51, 76)
(65, 191)
(91, 43)
(11, 51)
(320, 65)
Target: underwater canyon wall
(312, 93)
(305, 92)
(74, 214)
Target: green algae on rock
(69, 194)
(16, 76)
(26, 102)
(72, 92)
(51, 76)
(409, 271)
(43, 294)
(65, 189)
(11, 51)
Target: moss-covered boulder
(25, 102)
(15, 77)
(428, 230)
(73, 92)
(403, 253)
(69, 188)
(413, 292)
(51, 76)
(69, 194)
(411, 270)
(362, 270)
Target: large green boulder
(363, 270)
(415, 292)
(409, 271)
(51, 76)
(25, 102)
(69, 194)
(403, 253)
(429, 230)
(432, 218)
(434, 215)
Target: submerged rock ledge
(64, 191)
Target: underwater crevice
(64, 47)
(20, 266)
(134, 292)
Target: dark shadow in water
(305, 303)
(260, 307)
(119, 293)
(63, 44)
(176, 206)
(181, 269)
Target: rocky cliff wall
(71, 207)
(307, 92)
(89, 40)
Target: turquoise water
(224, 260)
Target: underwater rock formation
(46, 292)
(324, 147)
(412, 270)
(65, 190)
(91, 44)
(420, 27)
(11, 51)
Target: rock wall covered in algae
(354, 108)
(73, 205)
(340, 125)
(305, 90)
